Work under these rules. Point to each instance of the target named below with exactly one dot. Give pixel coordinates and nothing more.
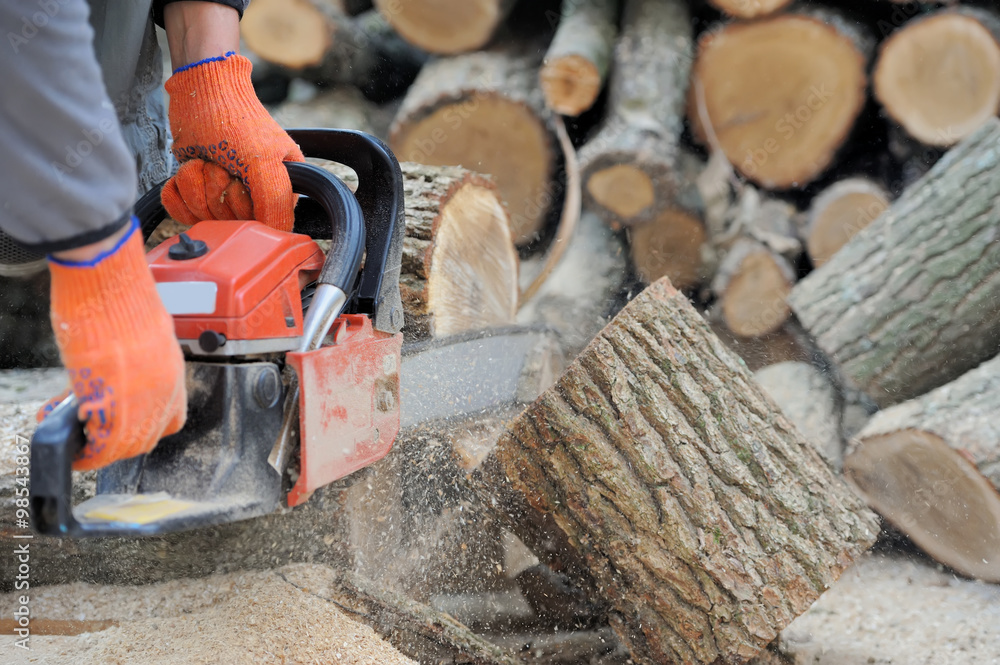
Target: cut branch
(579, 57)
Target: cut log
(629, 166)
(579, 57)
(484, 111)
(316, 40)
(931, 466)
(343, 107)
(707, 525)
(669, 246)
(909, 303)
(809, 400)
(838, 213)
(460, 268)
(753, 284)
(939, 75)
(782, 94)
(447, 27)
(749, 8)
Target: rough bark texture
(447, 27)
(931, 466)
(629, 167)
(909, 303)
(939, 75)
(810, 401)
(484, 111)
(579, 57)
(705, 518)
(780, 136)
(315, 40)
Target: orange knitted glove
(215, 116)
(204, 190)
(117, 342)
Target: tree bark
(316, 40)
(908, 304)
(810, 402)
(579, 57)
(707, 524)
(931, 466)
(629, 167)
(939, 75)
(447, 27)
(781, 136)
(838, 213)
(485, 111)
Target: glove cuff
(206, 83)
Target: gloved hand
(117, 341)
(215, 116)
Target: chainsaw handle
(339, 204)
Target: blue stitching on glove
(103, 255)
(217, 58)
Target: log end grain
(782, 95)
(939, 77)
(750, 8)
(934, 494)
(753, 284)
(669, 246)
(839, 213)
(291, 33)
(570, 84)
(474, 283)
(445, 27)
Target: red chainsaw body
(349, 388)
(258, 273)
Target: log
(749, 8)
(783, 345)
(343, 107)
(484, 111)
(939, 75)
(838, 213)
(579, 57)
(753, 284)
(908, 304)
(447, 27)
(809, 400)
(706, 523)
(316, 40)
(629, 166)
(931, 467)
(781, 136)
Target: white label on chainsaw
(188, 297)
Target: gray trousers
(82, 122)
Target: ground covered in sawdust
(250, 617)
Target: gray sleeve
(68, 178)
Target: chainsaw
(292, 358)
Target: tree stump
(707, 522)
(931, 466)
(782, 94)
(447, 27)
(939, 75)
(838, 213)
(629, 167)
(910, 302)
(484, 111)
(579, 57)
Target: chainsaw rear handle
(380, 194)
(337, 202)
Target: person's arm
(200, 30)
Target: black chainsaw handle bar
(380, 193)
(340, 208)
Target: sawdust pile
(250, 617)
